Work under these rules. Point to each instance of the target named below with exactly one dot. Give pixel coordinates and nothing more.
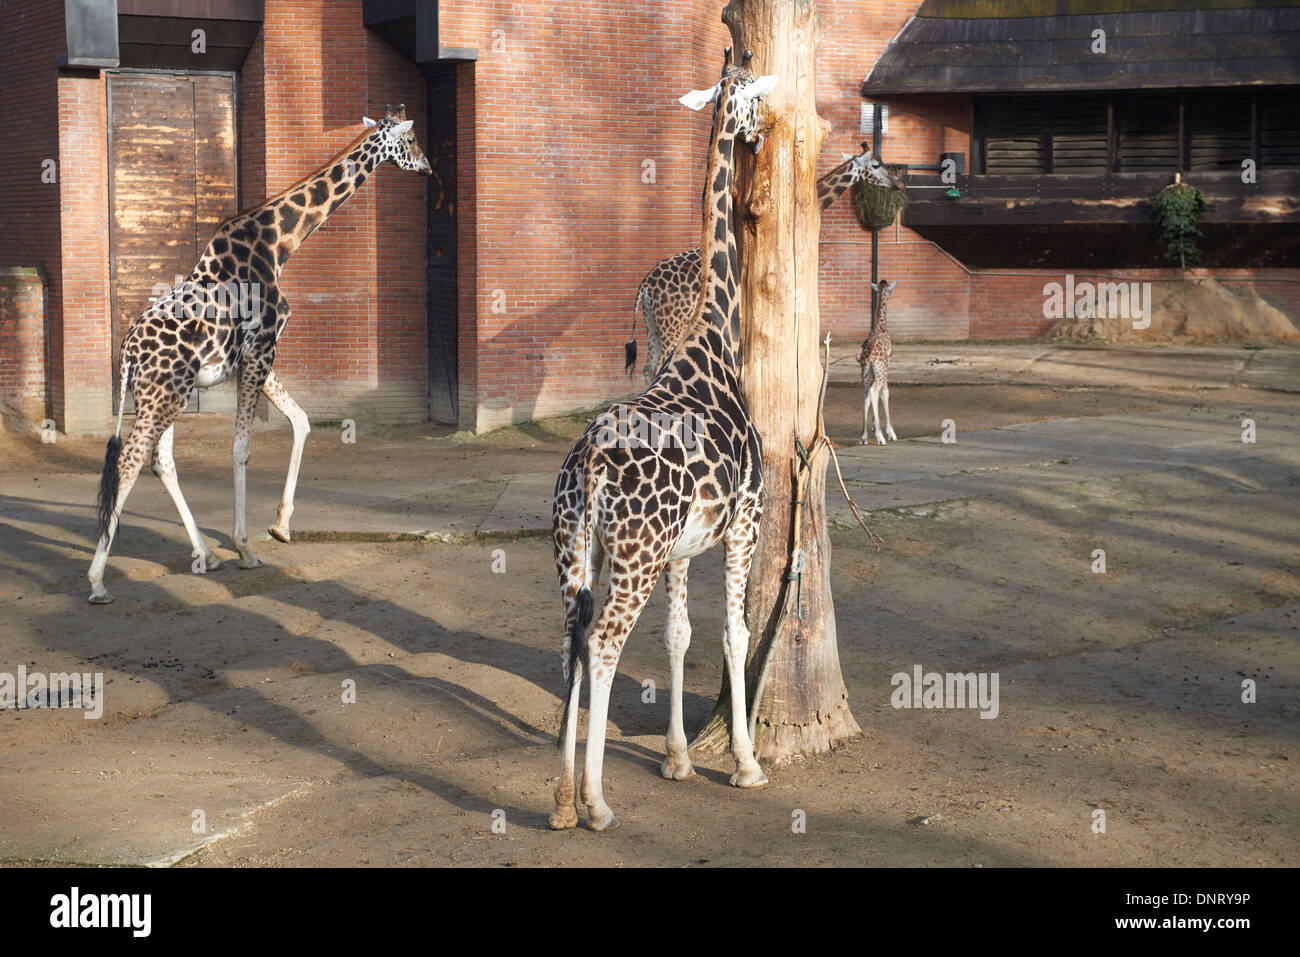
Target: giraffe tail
(577, 636)
(108, 481)
(639, 309)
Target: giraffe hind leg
(889, 426)
(164, 466)
(866, 405)
(630, 584)
(121, 469)
(875, 411)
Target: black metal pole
(875, 233)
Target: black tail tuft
(108, 484)
(577, 647)
(629, 354)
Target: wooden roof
(983, 46)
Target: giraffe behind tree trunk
(665, 300)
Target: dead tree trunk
(793, 663)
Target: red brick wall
(22, 342)
(82, 383)
(355, 345)
(29, 208)
(1009, 303)
(569, 101)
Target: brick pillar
(83, 400)
(22, 342)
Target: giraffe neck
(878, 323)
(831, 186)
(299, 211)
(717, 314)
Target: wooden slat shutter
(172, 177)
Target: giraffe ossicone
(649, 507)
(190, 339)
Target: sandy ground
(225, 740)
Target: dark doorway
(441, 251)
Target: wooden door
(172, 180)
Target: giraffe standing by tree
(652, 500)
(875, 356)
(666, 298)
(225, 319)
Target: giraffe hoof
(280, 534)
(677, 769)
(563, 818)
(101, 598)
(749, 778)
(602, 819)
(250, 563)
(862, 441)
(212, 562)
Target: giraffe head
(884, 289)
(866, 166)
(397, 141)
(740, 95)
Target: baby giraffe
(875, 356)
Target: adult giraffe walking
(657, 481)
(225, 319)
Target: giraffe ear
(891, 285)
(876, 286)
(368, 121)
(401, 128)
(698, 99)
(760, 87)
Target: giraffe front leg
(250, 385)
(281, 399)
(738, 544)
(677, 638)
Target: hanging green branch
(1177, 211)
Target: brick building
(501, 288)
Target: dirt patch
(1120, 692)
(1195, 311)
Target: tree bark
(802, 703)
